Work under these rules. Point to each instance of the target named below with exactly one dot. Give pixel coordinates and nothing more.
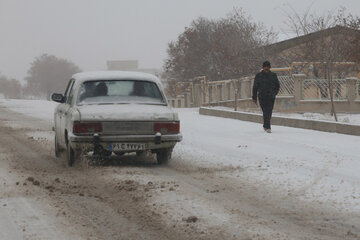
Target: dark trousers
(267, 106)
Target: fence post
(237, 88)
(210, 87)
(236, 99)
(216, 93)
(298, 85)
(249, 88)
(351, 90)
(202, 88)
(193, 97)
(228, 91)
(221, 92)
(187, 97)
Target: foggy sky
(90, 32)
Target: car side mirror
(57, 97)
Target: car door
(63, 111)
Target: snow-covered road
(240, 181)
(315, 166)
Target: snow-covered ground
(313, 166)
(36, 108)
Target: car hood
(126, 112)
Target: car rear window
(119, 91)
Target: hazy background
(89, 32)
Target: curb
(322, 126)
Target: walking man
(266, 87)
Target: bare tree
(333, 42)
(218, 49)
(10, 88)
(48, 74)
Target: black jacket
(266, 85)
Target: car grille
(128, 127)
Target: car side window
(68, 87)
(70, 93)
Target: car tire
(71, 155)
(57, 148)
(163, 156)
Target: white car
(114, 111)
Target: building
(334, 44)
(131, 65)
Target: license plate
(127, 146)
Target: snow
(316, 166)
(310, 165)
(115, 75)
(36, 108)
(126, 112)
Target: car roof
(114, 75)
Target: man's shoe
(268, 130)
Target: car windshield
(119, 91)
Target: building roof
(290, 43)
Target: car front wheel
(57, 148)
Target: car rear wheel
(71, 155)
(163, 156)
(57, 148)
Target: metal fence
(286, 85)
(318, 89)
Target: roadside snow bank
(35, 108)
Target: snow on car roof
(114, 75)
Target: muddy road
(130, 198)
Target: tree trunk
(331, 90)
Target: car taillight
(166, 127)
(87, 127)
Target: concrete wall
(222, 93)
(288, 122)
(177, 102)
